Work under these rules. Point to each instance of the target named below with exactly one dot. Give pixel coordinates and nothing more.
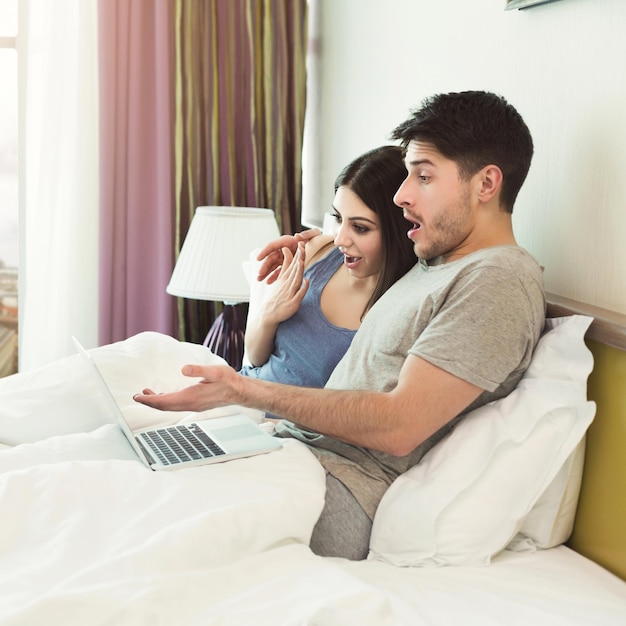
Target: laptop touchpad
(237, 432)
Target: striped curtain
(136, 167)
(240, 102)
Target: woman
(304, 327)
(307, 324)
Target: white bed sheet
(90, 536)
(548, 587)
(286, 584)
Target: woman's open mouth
(351, 261)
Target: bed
(532, 536)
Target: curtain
(314, 204)
(240, 106)
(58, 178)
(137, 112)
(136, 45)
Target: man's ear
(490, 180)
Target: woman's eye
(336, 217)
(424, 178)
(361, 229)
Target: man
(457, 331)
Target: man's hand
(217, 387)
(272, 253)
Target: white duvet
(108, 537)
(89, 536)
(85, 526)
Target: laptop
(182, 445)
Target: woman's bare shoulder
(317, 248)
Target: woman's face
(358, 234)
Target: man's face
(437, 202)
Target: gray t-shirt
(478, 318)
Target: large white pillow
(551, 520)
(470, 495)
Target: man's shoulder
(498, 278)
(503, 261)
(503, 255)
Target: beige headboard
(600, 526)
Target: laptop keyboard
(179, 444)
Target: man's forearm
(360, 418)
(394, 421)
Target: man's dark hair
(474, 129)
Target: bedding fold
(80, 525)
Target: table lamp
(210, 267)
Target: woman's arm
(284, 297)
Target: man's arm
(425, 399)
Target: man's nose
(402, 198)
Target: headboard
(600, 525)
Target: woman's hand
(286, 294)
(272, 254)
(283, 299)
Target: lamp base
(226, 336)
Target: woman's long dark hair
(375, 177)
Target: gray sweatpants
(343, 528)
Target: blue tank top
(307, 346)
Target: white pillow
(470, 495)
(62, 397)
(551, 520)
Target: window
(9, 230)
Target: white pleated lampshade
(219, 240)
